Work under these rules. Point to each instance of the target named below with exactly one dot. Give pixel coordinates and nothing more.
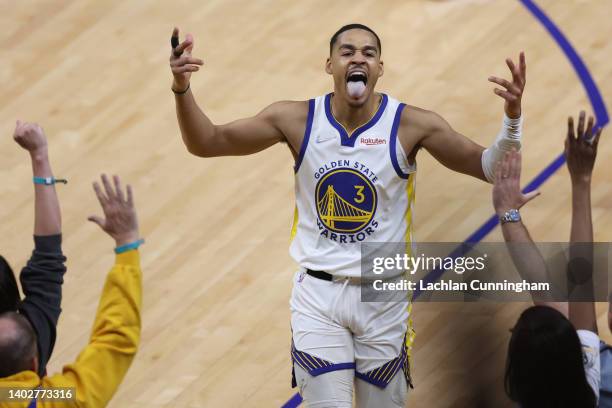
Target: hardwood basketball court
(217, 274)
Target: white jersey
(350, 188)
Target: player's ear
(328, 66)
(381, 68)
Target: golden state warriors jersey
(350, 189)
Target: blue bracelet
(48, 181)
(128, 247)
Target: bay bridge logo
(346, 203)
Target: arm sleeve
(508, 138)
(41, 280)
(100, 367)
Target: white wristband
(509, 137)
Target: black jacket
(41, 282)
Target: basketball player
(355, 163)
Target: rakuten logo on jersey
(369, 141)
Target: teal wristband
(128, 247)
(48, 181)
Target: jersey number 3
(359, 194)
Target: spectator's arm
(47, 218)
(41, 280)
(525, 255)
(580, 152)
(101, 366)
(42, 277)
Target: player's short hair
(353, 26)
(544, 365)
(9, 293)
(17, 345)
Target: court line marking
(601, 120)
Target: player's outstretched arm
(509, 137)
(459, 153)
(449, 147)
(201, 136)
(580, 152)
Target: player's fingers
(174, 38)
(186, 59)
(506, 84)
(118, 189)
(178, 50)
(516, 75)
(177, 63)
(505, 94)
(189, 38)
(181, 47)
(25, 127)
(185, 68)
(580, 129)
(523, 66)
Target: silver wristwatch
(510, 216)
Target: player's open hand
(119, 219)
(581, 148)
(507, 193)
(513, 91)
(182, 62)
(31, 137)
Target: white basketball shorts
(332, 329)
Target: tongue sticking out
(355, 88)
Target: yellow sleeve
(102, 364)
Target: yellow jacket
(102, 364)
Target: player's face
(355, 65)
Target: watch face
(510, 216)
(513, 215)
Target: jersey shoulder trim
(311, 108)
(393, 142)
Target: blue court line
(295, 401)
(601, 120)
